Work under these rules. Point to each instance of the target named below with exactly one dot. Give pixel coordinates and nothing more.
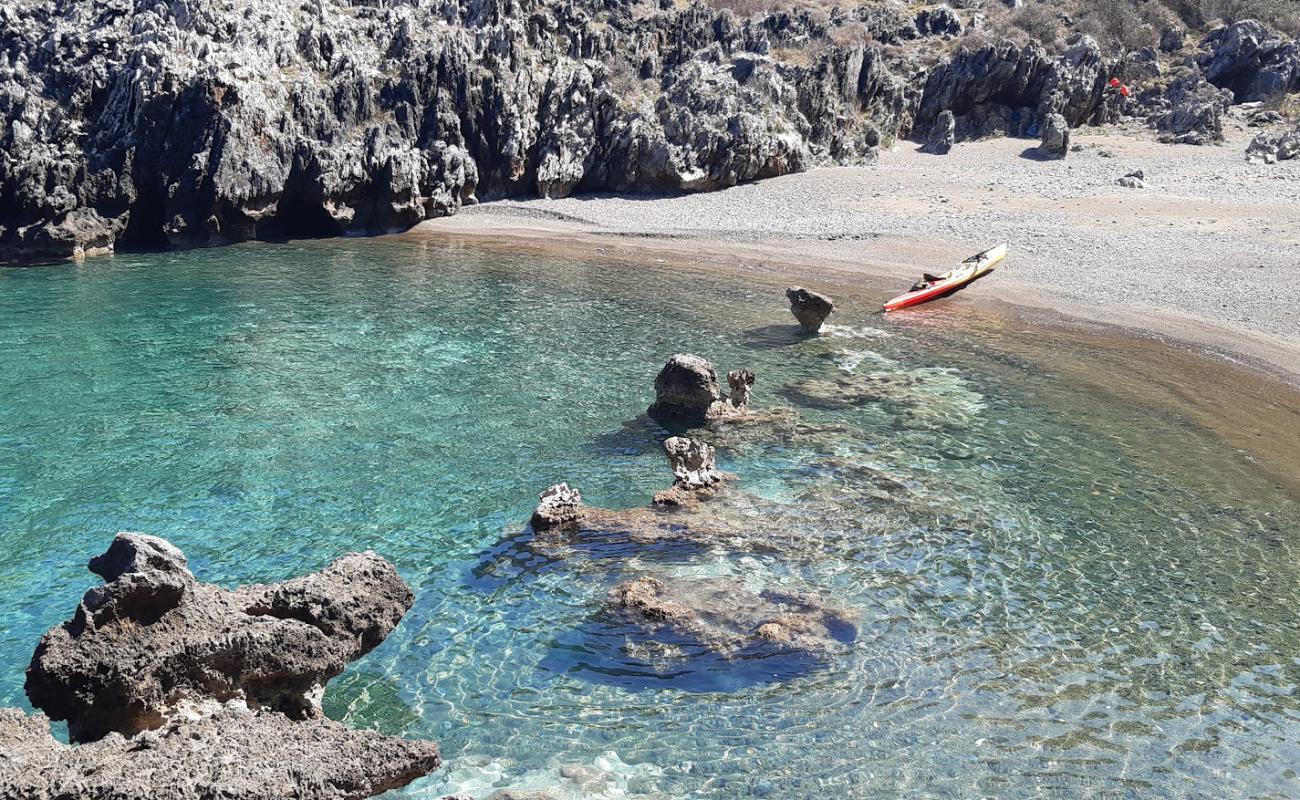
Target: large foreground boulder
(812, 308)
(721, 618)
(234, 754)
(153, 643)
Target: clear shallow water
(1061, 592)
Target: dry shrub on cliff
(1288, 105)
(850, 33)
(1042, 22)
(745, 8)
(1126, 24)
(1132, 24)
(1199, 14)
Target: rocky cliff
(146, 123)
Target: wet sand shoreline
(1201, 258)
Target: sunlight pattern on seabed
(1059, 595)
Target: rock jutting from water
(154, 660)
(810, 308)
(741, 382)
(559, 505)
(723, 618)
(694, 463)
(686, 390)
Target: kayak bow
(973, 268)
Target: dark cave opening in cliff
(297, 217)
(144, 227)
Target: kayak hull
(970, 270)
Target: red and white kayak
(977, 266)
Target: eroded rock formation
(152, 639)
(687, 391)
(685, 388)
(741, 383)
(722, 618)
(233, 753)
(185, 689)
(812, 308)
(560, 505)
(694, 463)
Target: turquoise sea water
(1059, 593)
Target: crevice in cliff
(144, 227)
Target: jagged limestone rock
(1055, 136)
(809, 307)
(1251, 61)
(942, 135)
(741, 382)
(233, 753)
(1273, 146)
(560, 505)
(153, 641)
(694, 463)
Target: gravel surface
(1210, 239)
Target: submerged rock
(721, 618)
(809, 307)
(153, 642)
(923, 398)
(234, 753)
